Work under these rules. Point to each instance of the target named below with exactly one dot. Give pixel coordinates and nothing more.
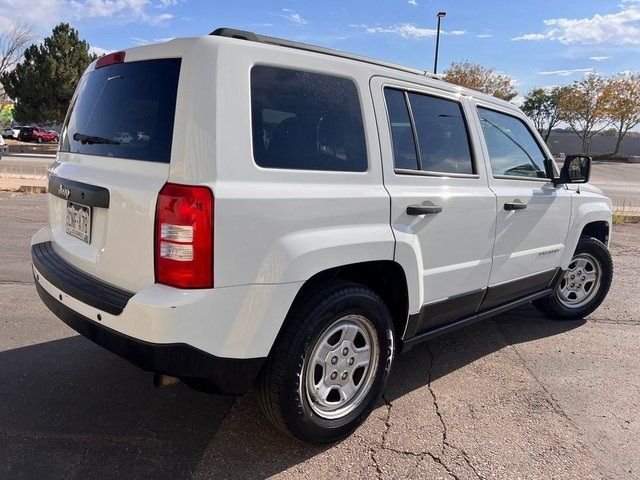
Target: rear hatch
(114, 158)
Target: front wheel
(583, 286)
(329, 365)
(39, 140)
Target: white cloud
(140, 41)
(408, 30)
(620, 28)
(599, 59)
(518, 100)
(130, 10)
(106, 8)
(566, 73)
(413, 2)
(40, 13)
(484, 35)
(99, 51)
(44, 14)
(144, 41)
(530, 37)
(292, 16)
(158, 19)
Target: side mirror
(576, 169)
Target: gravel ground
(517, 396)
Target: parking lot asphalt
(620, 181)
(517, 396)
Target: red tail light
(184, 236)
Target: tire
(39, 139)
(287, 384)
(571, 306)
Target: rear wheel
(39, 139)
(329, 365)
(583, 286)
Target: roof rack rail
(253, 37)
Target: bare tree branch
(13, 43)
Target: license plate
(79, 221)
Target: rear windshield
(124, 110)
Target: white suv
(297, 216)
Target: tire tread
(272, 385)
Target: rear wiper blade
(93, 139)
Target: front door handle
(516, 205)
(423, 209)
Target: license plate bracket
(78, 221)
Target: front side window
(306, 121)
(513, 150)
(441, 140)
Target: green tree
(6, 115)
(543, 107)
(43, 83)
(482, 79)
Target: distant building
(567, 142)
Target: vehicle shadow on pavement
(246, 446)
(70, 408)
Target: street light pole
(435, 65)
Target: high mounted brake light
(184, 236)
(110, 59)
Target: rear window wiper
(93, 139)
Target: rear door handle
(516, 205)
(423, 209)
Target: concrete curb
(31, 189)
(23, 185)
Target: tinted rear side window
(125, 110)
(404, 147)
(306, 121)
(442, 134)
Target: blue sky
(539, 43)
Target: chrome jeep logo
(64, 192)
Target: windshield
(125, 110)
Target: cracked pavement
(517, 396)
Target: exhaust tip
(162, 381)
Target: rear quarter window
(306, 121)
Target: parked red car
(37, 134)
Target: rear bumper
(67, 291)
(232, 376)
